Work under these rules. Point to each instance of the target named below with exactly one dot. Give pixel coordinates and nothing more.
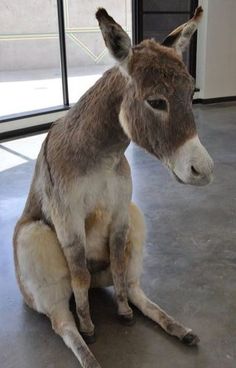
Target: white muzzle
(191, 163)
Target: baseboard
(214, 100)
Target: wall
(216, 55)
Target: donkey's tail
(64, 325)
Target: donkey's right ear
(180, 38)
(116, 39)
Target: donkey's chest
(106, 191)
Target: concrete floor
(189, 266)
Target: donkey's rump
(41, 266)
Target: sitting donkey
(79, 228)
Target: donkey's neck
(94, 132)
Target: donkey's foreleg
(80, 281)
(118, 261)
(154, 312)
(73, 245)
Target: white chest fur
(103, 189)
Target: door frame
(137, 21)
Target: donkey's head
(156, 111)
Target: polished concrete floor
(189, 264)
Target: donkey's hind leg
(135, 293)
(64, 325)
(44, 278)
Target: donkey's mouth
(177, 178)
(201, 180)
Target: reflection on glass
(87, 55)
(30, 76)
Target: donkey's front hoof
(190, 339)
(89, 339)
(127, 320)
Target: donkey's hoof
(127, 320)
(190, 339)
(89, 339)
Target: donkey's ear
(180, 38)
(116, 39)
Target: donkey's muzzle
(192, 164)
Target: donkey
(79, 228)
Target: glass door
(157, 18)
(87, 56)
(52, 51)
(30, 74)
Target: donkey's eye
(159, 104)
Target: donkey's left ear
(180, 38)
(116, 39)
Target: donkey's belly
(97, 265)
(97, 240)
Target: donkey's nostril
(194, 171)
